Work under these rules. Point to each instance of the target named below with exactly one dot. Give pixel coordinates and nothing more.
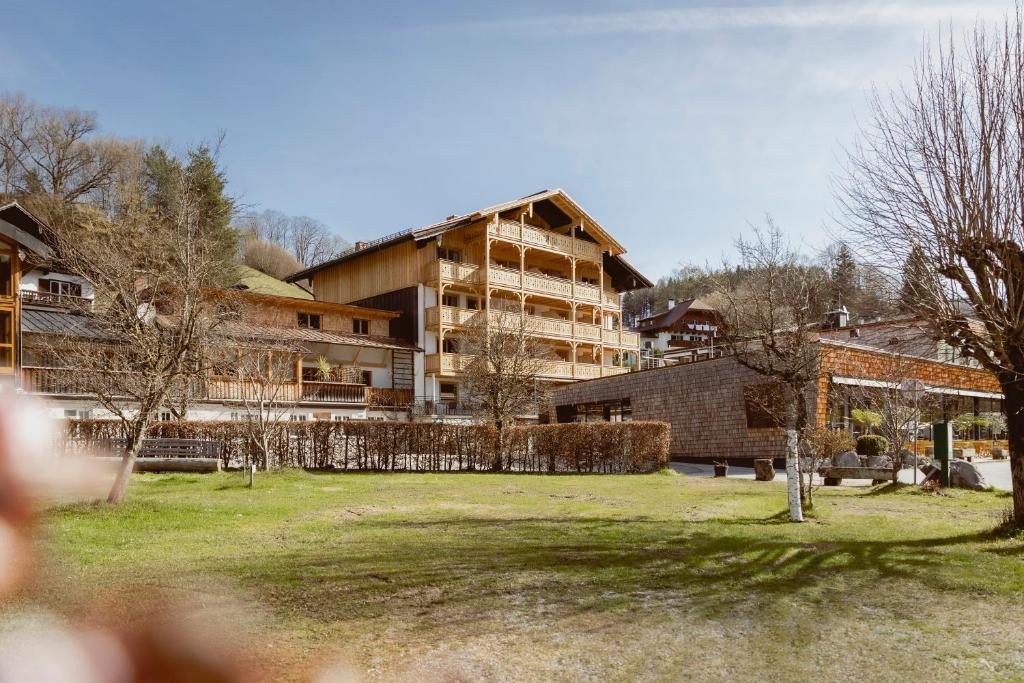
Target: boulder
(847, 459)
(879, 461)
(907, 458)
(965, 475)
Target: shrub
(872, 444)
(417, 446)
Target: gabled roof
(558, 196)
(22, 227)
(671, 316)
(256, 282)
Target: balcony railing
(333, 392)
(62, 300)
(547, 239)
(450, 271)
(59, 381)
(74, 382)
(453, 363)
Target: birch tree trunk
(796, 512)
(124, 470)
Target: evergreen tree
(917, 275)
(842, 277)
(164, 174)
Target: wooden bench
(834, 476)
(172, 455)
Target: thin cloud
(699, 19)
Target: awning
(882, 384)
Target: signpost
(943, 432)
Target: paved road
(996, 473)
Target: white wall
(30, 281)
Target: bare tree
(500, 380)
(152, 270)
(308, 240)
(938, 176)
(770, 323)
(894, 405)
(264, 375)
(57, 152)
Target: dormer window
(309, 321)
(360, 326)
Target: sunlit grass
(522, 577)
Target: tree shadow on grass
(584, 563)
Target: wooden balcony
(333, 392)
(548, 285)
(449, 315)
(450, 271)
(72, 382)
(620, 338)
(79, 303)
(54, 381)
(391, 398)
(452, 363)
(545, 239)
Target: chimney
(671, 304)
(837, 318)
(360, 245)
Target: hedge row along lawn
(525, 577)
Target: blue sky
(674, 124)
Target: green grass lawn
(520, 577)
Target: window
(79, 414)
(360, 326)
(449, 391)
(298, 418)
(6, 340)
(165, 416)
(367, 377)
(450, 346)
(763, 404)
(450, 300)
(309, 321)
(449, 254)
(61, 287)
(6, 273)
(472, 303)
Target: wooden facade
(543, 258)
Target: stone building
(713, 416)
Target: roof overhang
(882, 384)
(557, 196)
(14, 221)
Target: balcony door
(8, 308)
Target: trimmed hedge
(872, 444)
(418, 446)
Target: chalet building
(684, 331)
(713, 407)
(542, 257)
(341, 361)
